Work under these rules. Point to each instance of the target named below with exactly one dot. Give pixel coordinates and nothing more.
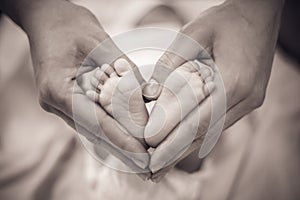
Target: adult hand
(241, 37)
(61, 35)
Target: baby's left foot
(185, 88)
(118, 92)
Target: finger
(182, 49)
(209, 124)
(108, 52)
(92, 137)
(233, 115)
(108, 70)
(196, 124)
(57, 112)
(100, 124)
(142, 173)
(78, 107)
(69, 121)
(135, 70)
(103, 145)
(64, 107)
(157, 176)
(186, 46)
(176, 143)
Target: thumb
(107, 52)
(190, 44)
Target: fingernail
(208, 79)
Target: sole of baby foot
(119, 93)
(183, 90)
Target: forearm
(31, 14)
(263, 16)
(258, 8)
(271, 3)
(19, 10)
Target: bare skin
(224, 31)
(119, 93)
(57, 59)
(183, 90)
(228, 31)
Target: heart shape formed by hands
(116, 90)
(119, 90)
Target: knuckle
(238, 89)
(43, 95)
(257, 99)
(43, 89)
(253, 94)
(49, 94)
(245, 90)
(44, 105)
(132, 145)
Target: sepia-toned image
(149, 100)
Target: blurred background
(42, 158)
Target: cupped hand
(240, 37)
(61, 35)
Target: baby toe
(109, 70)
(205, 73)
(209, 87)
(94, 82)
(100, 75)
(94, 96)
(122, 66)
(99, 79)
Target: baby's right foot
(183, 90)
(118, 92)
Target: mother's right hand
(240, 37)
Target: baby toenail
(208, 79)
(209, 87)
(205, 73)
(101, 82)
(205, 67)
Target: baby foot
(116, 89)
(183, 90)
